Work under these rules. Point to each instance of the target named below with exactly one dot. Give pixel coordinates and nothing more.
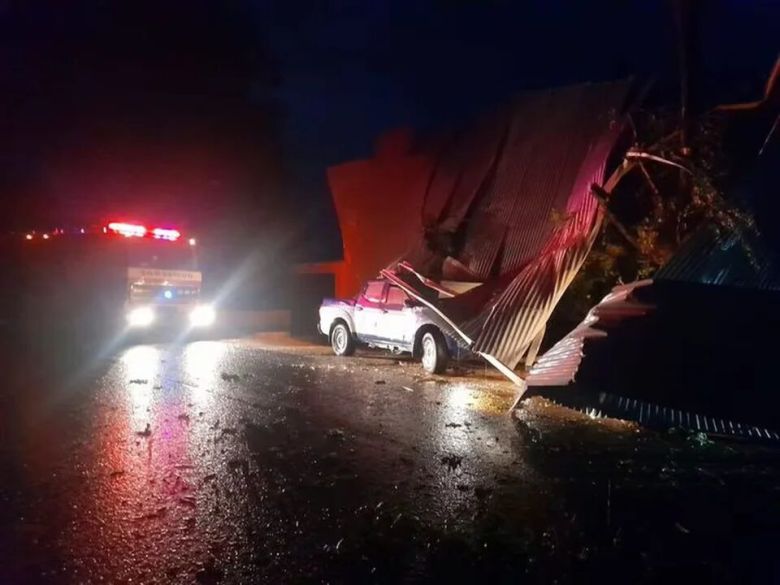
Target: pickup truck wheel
(341, 340)
(434, 352)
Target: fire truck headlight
(140, 317)
(203, 316)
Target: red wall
(379, 204)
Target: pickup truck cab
(384, 316)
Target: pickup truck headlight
(203, 316)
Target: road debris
(158, 513)
(452, 461)
(700, 439)
(337, 434)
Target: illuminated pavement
(263, 460)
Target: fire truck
(120, 275)
(163, 282)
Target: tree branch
(602, 196)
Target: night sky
(216, 113)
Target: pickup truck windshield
(396, 297)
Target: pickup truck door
(396, 322)
(368, 309)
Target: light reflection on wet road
(267, 461)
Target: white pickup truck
(384, 316)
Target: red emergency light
(128, 230)
(133, 230)
(166, 234)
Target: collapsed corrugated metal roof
(709, 257)
(499, 191)
(509, 204)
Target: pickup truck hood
(338, 303)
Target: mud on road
(269, 460)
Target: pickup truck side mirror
(409, 303)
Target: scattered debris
(453, 425)
(118, 473)
(700, 439)
(380, 382)
(336, 434)
(236, 464)
(158, 513)
(452, 461)
(230, 377)
(138, 381)
(147, 432)
(407, 388)
(184, 417)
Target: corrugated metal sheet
(669, 353)
(559, 364)
(507, 328)
(526, 218)
(524, 194)
(650, 414)
(709, 257)
(462, 166)
(550, 255)
(528, 166)
(501, 188)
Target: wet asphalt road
(268, 461)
